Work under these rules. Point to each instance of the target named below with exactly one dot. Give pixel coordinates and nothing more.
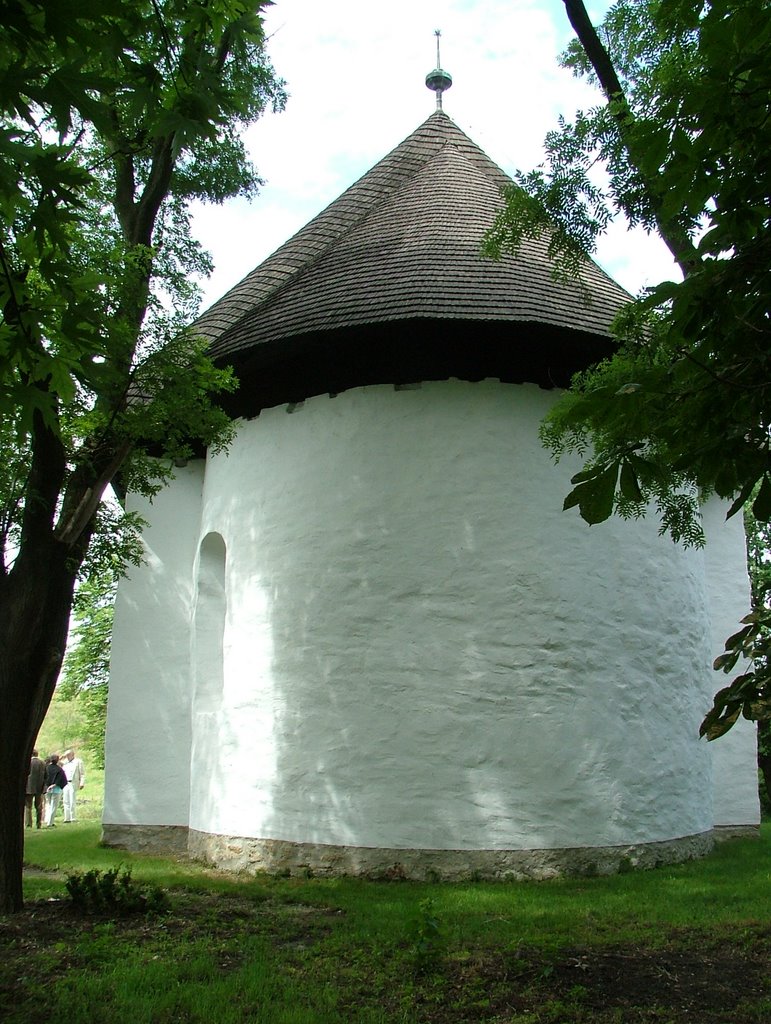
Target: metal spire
(437, 79)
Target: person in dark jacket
(36, 784)
(56, 780)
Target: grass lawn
(687, 943)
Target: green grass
(242, 950)
(671, 946)
(730, 886)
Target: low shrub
(114, 893)
(428, 940)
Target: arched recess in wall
(209, 625)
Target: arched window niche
(209, 624)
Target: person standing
(36, 782)
(56, 783)
(75, 771)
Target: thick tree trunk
(35, 604)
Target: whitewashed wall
(423, 650)
(420, 649)
(148, 740)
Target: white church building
(367, 639)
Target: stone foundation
(164, 840)
(722, 832)
(278, 857)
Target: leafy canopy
(115, 115)
(680, 146)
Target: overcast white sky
(355, 74)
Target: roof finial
(437, 79)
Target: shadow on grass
(678, 944)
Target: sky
(355, 74)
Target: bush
(114, 893)
(428, 944)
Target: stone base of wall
(722, 832)
(166, 840)
(278, 857)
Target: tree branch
(154, 192)
(78, 508)
(595, 51)
(125, 180)
(46, 475)
(674, 237)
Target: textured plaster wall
(422, 650)
(147, 780)
(735, 754)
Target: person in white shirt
(75, 771)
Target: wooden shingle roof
(402, 247)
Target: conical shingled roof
(402, 247)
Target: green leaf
(582, 475)
(741, 499)
(726, 661)
(761, 506)
(716, 724)
(630, 486)
(737, 639)
(595, 497)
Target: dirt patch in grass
(707, 981)
(690, 977)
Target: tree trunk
(764, 756)
(35, 603)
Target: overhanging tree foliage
(115, 115)
(683, 409)
(86, 669)
(759, 560)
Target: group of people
(51, 782)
